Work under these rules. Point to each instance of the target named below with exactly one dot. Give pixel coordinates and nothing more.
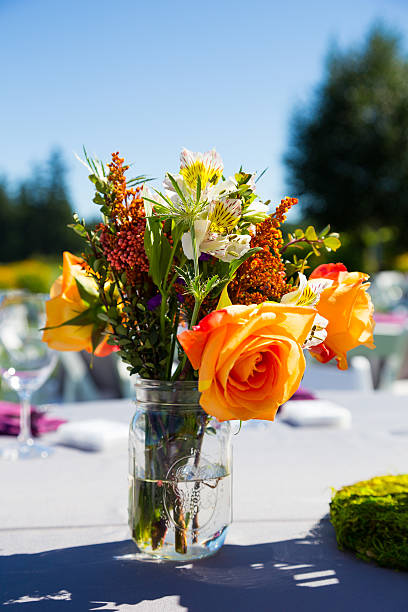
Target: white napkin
(93, 434)
(315, 413)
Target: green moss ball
(371, 518)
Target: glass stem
(24, 436)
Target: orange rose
(250, 358)
(349, 310)
(65, 304)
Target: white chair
(324, 376)
(391, 341)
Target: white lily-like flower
(169, 190)
(221, 190)
(224, 215)
(208, 166)
(256, 212)
(150, 194)
(251, 182)
(308, 291)
(238, 245)
(214, 234)
(318, 333)
(201, 232)
(308, 294)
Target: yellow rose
(250, 358)
(349, 310)
(65, 304)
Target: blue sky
(148, 78)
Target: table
(65, 544)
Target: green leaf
(78, 229)
(98, 199)
(100, 185)
(96, 337)
(298, 233)
(87, 291)
(84, 318)
(152, 239)
(165, 255)
(177, 188)
(324, 231)
(224, 300)
(310, 233)
(261, 175)
(332, 243)
(198, 188)
(97, 264)
(234, 265)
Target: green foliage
(348, 156)
(36, 217)
(371, 518)
(35, 275)
(315, 243)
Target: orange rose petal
(194, 340)
(56, 287)
(348, 307)
(67, 337)
(249, 357)
(213, 402)
(210, 357)
(104, 349)
(69, 287)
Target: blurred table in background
(65, 540)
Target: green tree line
(348, 153)
(36, 213)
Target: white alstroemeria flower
(318, 333)
(214, 234)
(251, 182)
(208, 166)
(237, 246)
(221, 190)
(256, 212)
(224, 215)
(308, 294)
(201, 231)
(169, 190)
(150, 194)
(308, 291)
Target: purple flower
(154, 302)
(204, 257)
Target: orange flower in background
(349, 310)
(250, 358)
(65, 304)
(330, 270)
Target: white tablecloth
(64, 536)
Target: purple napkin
(303, 394)
(398, 318)
(10, 420)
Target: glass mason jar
(180, 462)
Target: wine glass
(25, 362)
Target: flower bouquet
(201, 296)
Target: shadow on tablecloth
(291, 575)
